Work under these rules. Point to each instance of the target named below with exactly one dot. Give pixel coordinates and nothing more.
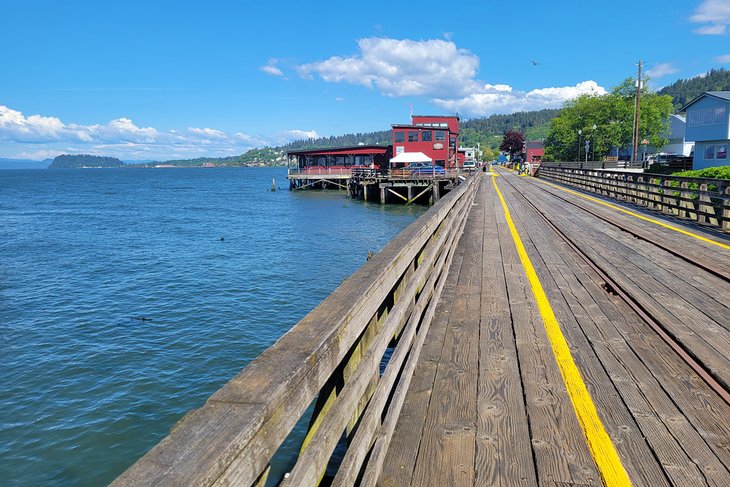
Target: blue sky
(163, 79)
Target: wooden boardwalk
(519, 333)
(487, 404)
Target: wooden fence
(703, 200)
(332, 359)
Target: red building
(535, 150)
(435, 135)
(338, 160)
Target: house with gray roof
(708, 125)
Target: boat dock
(568, 329)
(392, 186)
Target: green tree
(613, 116)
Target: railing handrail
(332, 354)
(707, 203)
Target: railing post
(706, 206)
(726, 208)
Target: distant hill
(684, 90)
(70, 161)
(23, 164)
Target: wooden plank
(705, 338)
(447, 446)
(709, 254)
(559, 447)
(676, 443)
(377, 457)
(661, 391)
(403, 450)
(503, 446)
(701, 290)
(408, 346)
(540, 242)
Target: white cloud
(660, 70)
(206, 132)
(711, 30)
(299, 134)
(402, 67)
(38, 136)
(271, 68)
(439, 69)
(715, 14)
(503, 99)
(723, 59)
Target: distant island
(72, 161)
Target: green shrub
(719, 172)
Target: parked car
(470, 164)
(418, 168)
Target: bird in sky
(534, 63)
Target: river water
(128, 296)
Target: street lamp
(592, 140)
(579, 134)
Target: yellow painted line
(639, 216)
(599, 443)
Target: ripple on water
(87, 388)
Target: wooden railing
(331, 358)
(597, 164)
(320, 171)
(706, 201)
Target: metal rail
(655, 242)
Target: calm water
(218, 266)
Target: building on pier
(332, 167)
(436, 136)
(374, 173)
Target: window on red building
(426, 136)
(440, 135)
(412, 136)
(400, 136)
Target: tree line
(684, 90)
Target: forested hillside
(381, 137)
(685, 90)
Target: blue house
(708, 125)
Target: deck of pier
(488, 405)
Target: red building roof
(336, 151)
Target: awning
(409, 157)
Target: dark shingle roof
(723, 95)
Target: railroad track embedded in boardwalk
(715, 383)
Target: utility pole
(636, 115)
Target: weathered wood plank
(706, 339)
(546, 253)
(660, 389)
(559, 447)
(504, 452)
(446, 453)
(403, 450)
